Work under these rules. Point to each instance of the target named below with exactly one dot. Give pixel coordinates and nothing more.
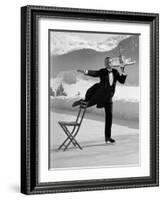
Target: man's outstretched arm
(92, 73)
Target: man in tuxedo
(101, 93)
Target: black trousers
(92, 98)
(108, 119)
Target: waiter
(101, 93)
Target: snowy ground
(95, 152)
(126, 100)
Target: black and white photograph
(94, 97)
(89, 99)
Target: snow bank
(126, 98)
(122, 108)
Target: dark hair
(107, 58)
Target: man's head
(108, 63)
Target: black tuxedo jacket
(103, 91)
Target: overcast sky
(65, 42)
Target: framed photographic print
(89, 99)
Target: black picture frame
(29, 100)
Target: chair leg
(63, 144)
(73, 138)
(69, 137)
(69, 144)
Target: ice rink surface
(95, 152)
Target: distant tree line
(59, 91)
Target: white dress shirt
(110, 74)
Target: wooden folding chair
(75, 125)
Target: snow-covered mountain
(91, 59)
(65, 42)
